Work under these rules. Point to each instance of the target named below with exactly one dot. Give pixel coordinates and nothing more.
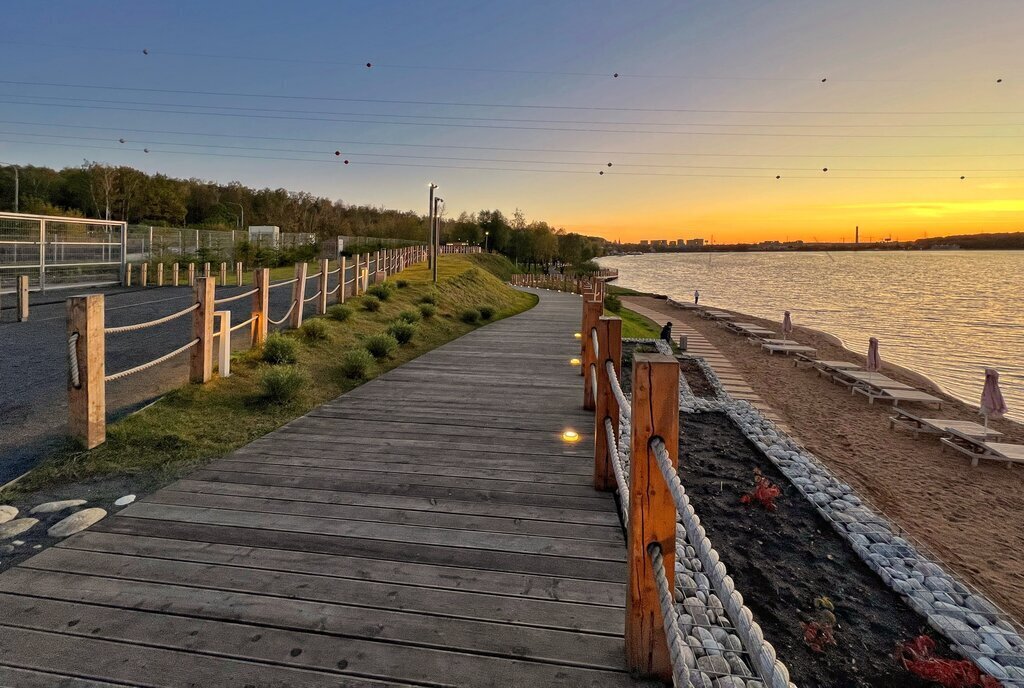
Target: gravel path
(33, 364)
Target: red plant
(917, 657)
(818, 635)
(764, 492)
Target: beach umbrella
(787, 325)
(992, 403)
(874, 361)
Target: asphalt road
(33, 362)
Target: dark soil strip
(695, 378)
(783, 560)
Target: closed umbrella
(787, 325)
(874, 363)
(992, 403)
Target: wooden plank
(27, 678)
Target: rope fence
(236, 297)
(150, 364)
(285, 316)
(151, 323)
(73, 369)
(242, 324)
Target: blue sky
(879, 56)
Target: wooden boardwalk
(427, 528)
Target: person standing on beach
(696, 297)
(666, 332)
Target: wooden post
(592, 310)
(298, 294)
(128, 275)
(201, 368)
(159, 274)
(223, 274)
(652, 513)
(341, 279)
(191, 274)
(87, 400)
(609, 341)
(174, 274)
(260, 305)
(206, 270)
(22, 298)
(238, 273)
(224, 343)
(143, 275)
(355, 275)
(321, 303)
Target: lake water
(945, 314)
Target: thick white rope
(679, 651)
(236, 297)
(593, 382)
(620, 397)
(146, 366)
(151, 323)
(769, 668)
(285, 316)
(336, 288)
(593, 339)
(309, 277)
(275, 285)
(333, 272)
(620, 475)
(242, 324)
(314, 296)
(73, 360)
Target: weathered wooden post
(260, 306)
(174, 274)
(341, 281)
(298, 294)
(224, 343)
(201, 363)
(652, 513)
(355, 275)
(143, 275)
(325, 278)
(592, 310)
(609, 341)
(22, 298)
(206, 270)
(223, 274)
(86, 360)
(128, 275)
(159, 274)
(191, 274)
(238, 274)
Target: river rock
(7, 513)
(714, 664)
(125, 501)
(16, 527)
(53, 507)
(76, 522)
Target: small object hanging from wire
(145, 150)
(145, 51)
(615, 75)
(369, 64)
(962, 177)
(346, 162)
(999, 81)
(824, 169)
(601, 172)
(337, 152)
(778, 176)
(824, 79)
(609, 164)
(120, 140)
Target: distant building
(695, 243)
(660, 243)
(645, 242)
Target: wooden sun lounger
(863, 378)
(789, 348)
(898, 395)
(940, 426)
(980, 449)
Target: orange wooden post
(298, 294)
(238, 273)
(591, 312)
(201, 362)
(223, 274)
(609, 338)
(206, 269)
(174, 274)
(341, 280)
(321, 303)
(191, 274)
(143, 275)
(86, 385)
(159, 274)
(128, 275)
(260, 305)
(652, 513)
(22, 298)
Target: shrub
(382, 291)
(356, 363)
(429, 297)
(281, 384)
(315, 330)
(402, 331)
(613, 303)
(339, 312)
(470, 316)
(427, 310)
(486, 312)
(380, 345)
(279, 349)
(411, 317)
(371, 303)
(402, 284)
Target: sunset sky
(712, 102)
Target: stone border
(976, 627)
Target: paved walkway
(427, 528)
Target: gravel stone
(53, 507)
(16, 527)
(76, 522)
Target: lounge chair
(940, 426)
(789, 349)
(980, 449)
(898, 395)
(863, 378)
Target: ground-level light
(574, 361)
(571, 436)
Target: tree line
(127, 194)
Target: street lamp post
(431, 258)
(239, 223)
(437, 235)
(487, 239)
(16, 183)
